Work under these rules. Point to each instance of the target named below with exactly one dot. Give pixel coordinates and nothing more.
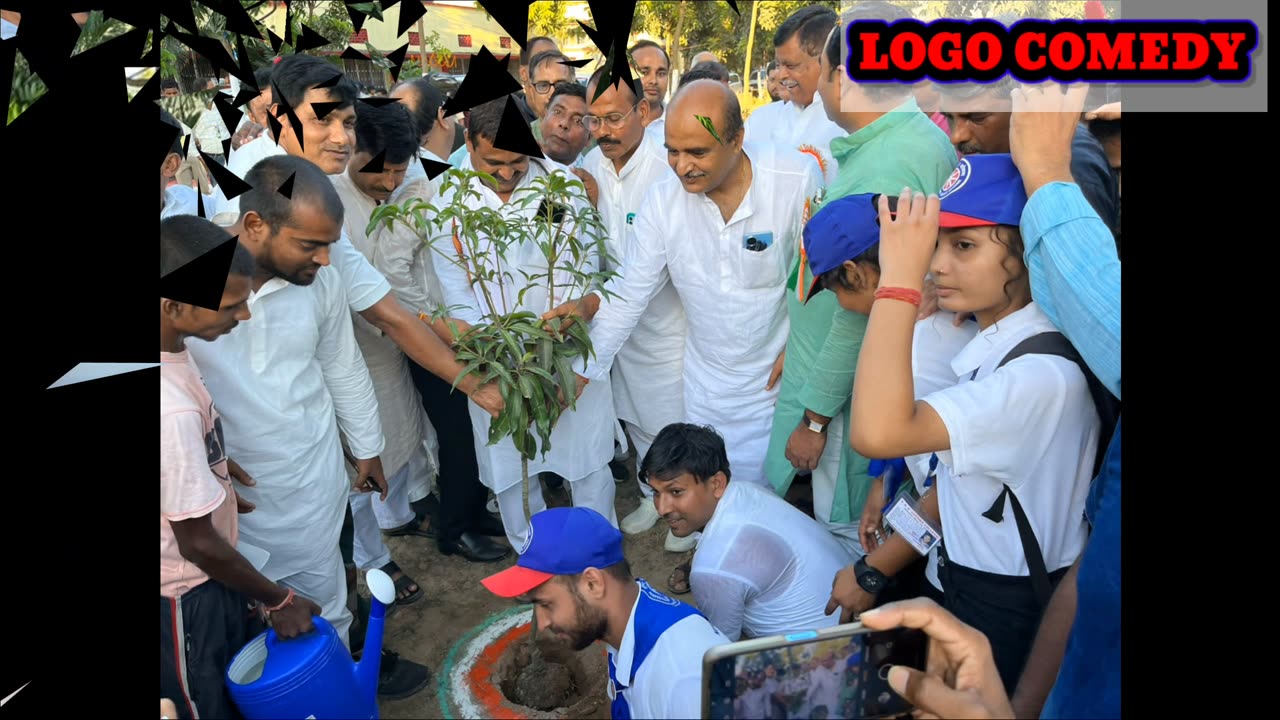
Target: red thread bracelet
(288, 600)
(896, 293)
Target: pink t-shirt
(193, 468)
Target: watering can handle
(273, 639)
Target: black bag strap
(1108, 408)
(1030, 546)
(1107, 405)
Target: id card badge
(906, 520)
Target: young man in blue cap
(573, 571)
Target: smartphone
(837, 672)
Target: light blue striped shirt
(1075, 275)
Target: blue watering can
(312, 676)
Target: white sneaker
(640, 519)
(679, 545)
(492, 505)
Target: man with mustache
(326, 112)
(389, 133)
(724, 230)
(648, 390)
(797, 47)
(582, 590)
(288, 381)
(582, 440)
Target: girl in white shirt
(1015, 438)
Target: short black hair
(705, 70)
(484, 120)
(877, 10)
(296, 74)
(647, 44)
(430, 98)
(390, 128)
(167, 83)
(168, 119)
(310, 185)
(262, 77)
(544, 57)
(621, 571)
(184, 238)
(637, 86)
(568, 87)
(773, 65)
(685, 448)
(529, 45)
(813, 23)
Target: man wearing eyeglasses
(648, 387)
(545, 70)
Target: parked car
(735, 82)
(447, 83)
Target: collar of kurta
(843, 148)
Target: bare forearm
(1050, 646)
(417, 339)
(221, 562)
(883, 391)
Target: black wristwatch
(871, 579)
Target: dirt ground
(455, 602)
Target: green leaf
(710, 126)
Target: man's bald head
(704, 56)
(711, 99)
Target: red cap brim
(515, 581)
(956, 220)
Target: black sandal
(412, 528)
(403, 584)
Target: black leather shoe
(488, 525)
(476, 548)
(399, 678)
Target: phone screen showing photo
(819, 680)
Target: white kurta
(285, 382)
(734, 298)
(808, 130)
(582, 441)
(648, 387)
(763, 123)
(180, 200)
(404, 423)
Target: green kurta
(902, 148)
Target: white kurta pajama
(582, 441)
(408, 459)
(286, 381)
(648, 387)
(734, 298)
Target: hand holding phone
(961, 680)
(838, 672)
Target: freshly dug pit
(568, 684)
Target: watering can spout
(383, 590)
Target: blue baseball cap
(982, 190)
(842, 230)
(562, 541)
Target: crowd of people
(897, 295)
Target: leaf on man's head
(710, 126)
